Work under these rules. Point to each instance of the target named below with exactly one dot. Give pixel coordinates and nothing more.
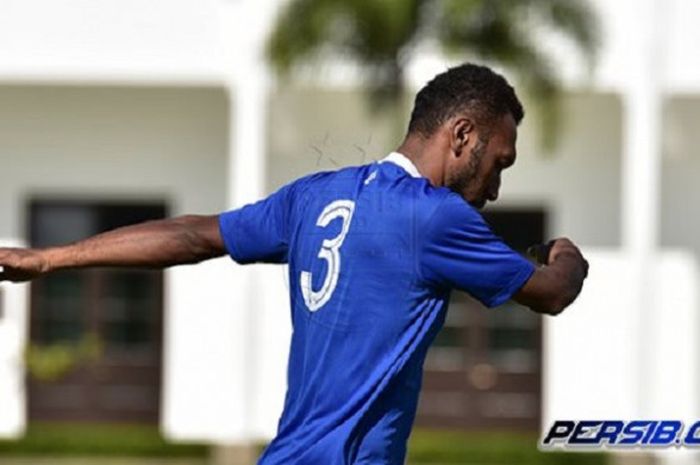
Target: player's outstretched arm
(153, 244)
(555, 286)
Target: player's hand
(563, 246)
(22, 264)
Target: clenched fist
(22, 264)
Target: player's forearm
(554, 287)
(154, 244)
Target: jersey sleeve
(259, 232)
(460, 251)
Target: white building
(167, 107)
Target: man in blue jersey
(373, 253)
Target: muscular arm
(153, 244)
(555, 286)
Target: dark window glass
(122, 307)
(58, 306)
(127, 297)
(116, 304)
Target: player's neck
(426, 156)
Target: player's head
(474, 113)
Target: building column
(246, 30)
(644, 90)
(641, 178)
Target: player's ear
(462, 129)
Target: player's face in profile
(477, 177)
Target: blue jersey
(373, 252)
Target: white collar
(403, 161)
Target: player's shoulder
(319, 187)
(412, 193)
(386, 180)
(454, 215)
(329, 176)
(452, 204)
(432, 201)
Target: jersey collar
(401, 160)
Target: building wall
(579, 183)
(98, 142)
(680, 223)
(101, 143)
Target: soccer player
(373, 252)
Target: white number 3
(329, 252)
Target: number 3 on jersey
(330, 252)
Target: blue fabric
(460, 251)
(359, 341)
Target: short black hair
(472, 88)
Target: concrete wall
(14, 299)
(131, 143)
(598, 366)
(98, 143)
(578, 184)
(580, 181)
(312, 129)
(680, 190)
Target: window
(122, 307)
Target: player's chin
(478, 204)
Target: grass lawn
(76, 439)
(489, 448)
(425, 447)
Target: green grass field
(425, 447)
(489, 448)
(75, 439)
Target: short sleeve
(460, 251)
(259, 232)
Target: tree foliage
(380, 35)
